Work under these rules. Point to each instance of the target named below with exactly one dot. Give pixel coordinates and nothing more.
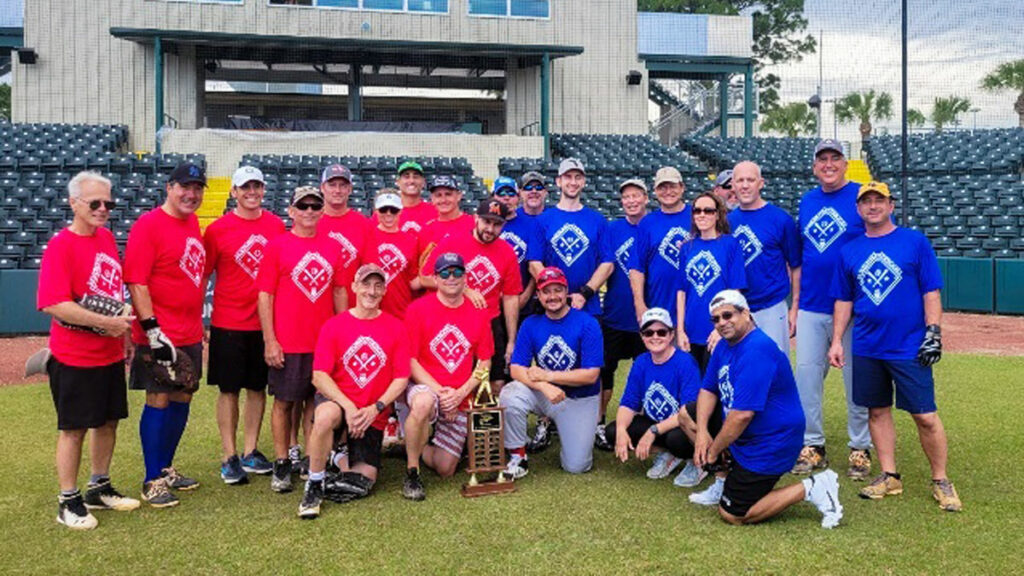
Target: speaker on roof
(27, 55)
(633, 78)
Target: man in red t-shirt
(451, 355)
(446, 196)
(163, 268)
(341, 223)
(86, 365)
(301, 284)
(394, 251)
(360, 367)
(492, 276)
(415, 212)
(235, 244)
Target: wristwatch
(654, 430)
(380, 406)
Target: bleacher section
(56, 147)
(978, 152)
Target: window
(515, 8)
(430, 6)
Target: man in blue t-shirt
(828, 220)
(556, 366)
(521, 233)
(889, 281)
(750, 382)
(771, 255)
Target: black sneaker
(352, 483)
(232, 472)
(412, 488)
(281, 480)
(601, 440)
(303, 468)
(541, 437)
(72, 513)
(156, 493)
(312, 497)
(102, 496)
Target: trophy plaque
(486, 446)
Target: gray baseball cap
(724, 178)
(571, 164)
(830, 144)
(638, 182)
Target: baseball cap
(335, 171)
(387, 199)
(448, 260)
(570, 164)
(532, 176)
(830, 144)
(551, 275)
(306, 192)
(410, 165)
(187, 173)
(724, 178)
(367, 270)
(493, 210)
(667, 174)
(503, 182)
(638, 182)
(656, 315)
(246, 174)
(879, 188)
(725, 297)
(443, 181)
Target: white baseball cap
(387, 200)
(725, 297)
(247, 174)
(656, 315)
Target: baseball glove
(101, 305)
(180, 374)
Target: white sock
(316, 476)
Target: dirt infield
(961, 333)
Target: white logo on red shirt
(410, 225)
(348, 251)
(392, 261)
(450, 347)
(249, 256)
(363, 360)
(313, 275)
(193, 260)
(482, 275)
(105, 278)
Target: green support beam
(545, 103)
(723, 105)
(748, 102)
(355, 94)
(158, 86)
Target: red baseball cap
(551, 275)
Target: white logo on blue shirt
(749, 242)
(725, 388)
(556, 355)
(658, 403)
(702, 271)
(669, 247)
(569, 243)
(826, 226)
(517, 244)
(622, 255)
(878, 276)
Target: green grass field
(613, 520)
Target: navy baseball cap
(448, 260)
(443, 181)
(335, 171)
(187, 173)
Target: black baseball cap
(187, 173)
(448, 260)
(443, 181)
(493, 210)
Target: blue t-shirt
(577, 242)
(658, 256)
(524, 236)
(573, 341)
(660, 390)
(754, 375)
(885, 277)
(619, 312)
(769, 240)
(709, 266)
(827, 223)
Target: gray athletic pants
(774, 321)
(576, 419)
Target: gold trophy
(486, 444)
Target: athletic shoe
(295, 455)
(391, 435)
(517, 467)
(179, 482)
(811, 458)
(824, 494)
(312, 497)
(256, 463)
(102, 496)
(281, 480)
(232, 471)
(601, 441)
(711, 496)
(412, 488)
(664, 464)
(859, 465)
(303, 469)
(155, 492)
(883, 485)
(691, 476)
(944, 492)
(541, 437)
(352, 483)
(71, 512)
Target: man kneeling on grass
(762, 426)
(360, 366)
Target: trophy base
(488, 488)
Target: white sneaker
(691, 476)
(711, 496)
(517, 467)
(72, 513)
(824, 494)
(664, 464)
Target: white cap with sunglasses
(387, 200)
(656, 315)
(728, 297)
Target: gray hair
(75, 184)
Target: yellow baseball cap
(879, 188)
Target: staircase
(218, 190)
(857, 171)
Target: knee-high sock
(153, 431)
(176, 427)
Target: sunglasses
(726, 186)
(659, 332)
(108, 204)
(534, 188)
(708, 211)
(314, 206)
(506, 193)
(449, 272)
(388, 210)
(723, 316)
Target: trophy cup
(486, 446)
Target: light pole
(974, 112)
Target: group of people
(358, 326)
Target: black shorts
(714, 423)
(87, 397)
(744, 488)
(618, 345)
(499, 368)
(236, 360)
(364, 450)
(142, 379)
(293, 382)
(701, 355)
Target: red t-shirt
(448, 341)
(166, 254)
(491, 269)
(413, 219)
(301, 274)
(350, 231)
(437, 230)
(395, 253)
(72, 267)
(234, 249)
(363, 357)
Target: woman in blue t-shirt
(711, 261)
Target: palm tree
(915, 119)
(946, 111)
(864, 107)
(1008, 75)
(791, 119)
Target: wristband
(380, 406)
(653, 430)
(149, 323)
(586, 291)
